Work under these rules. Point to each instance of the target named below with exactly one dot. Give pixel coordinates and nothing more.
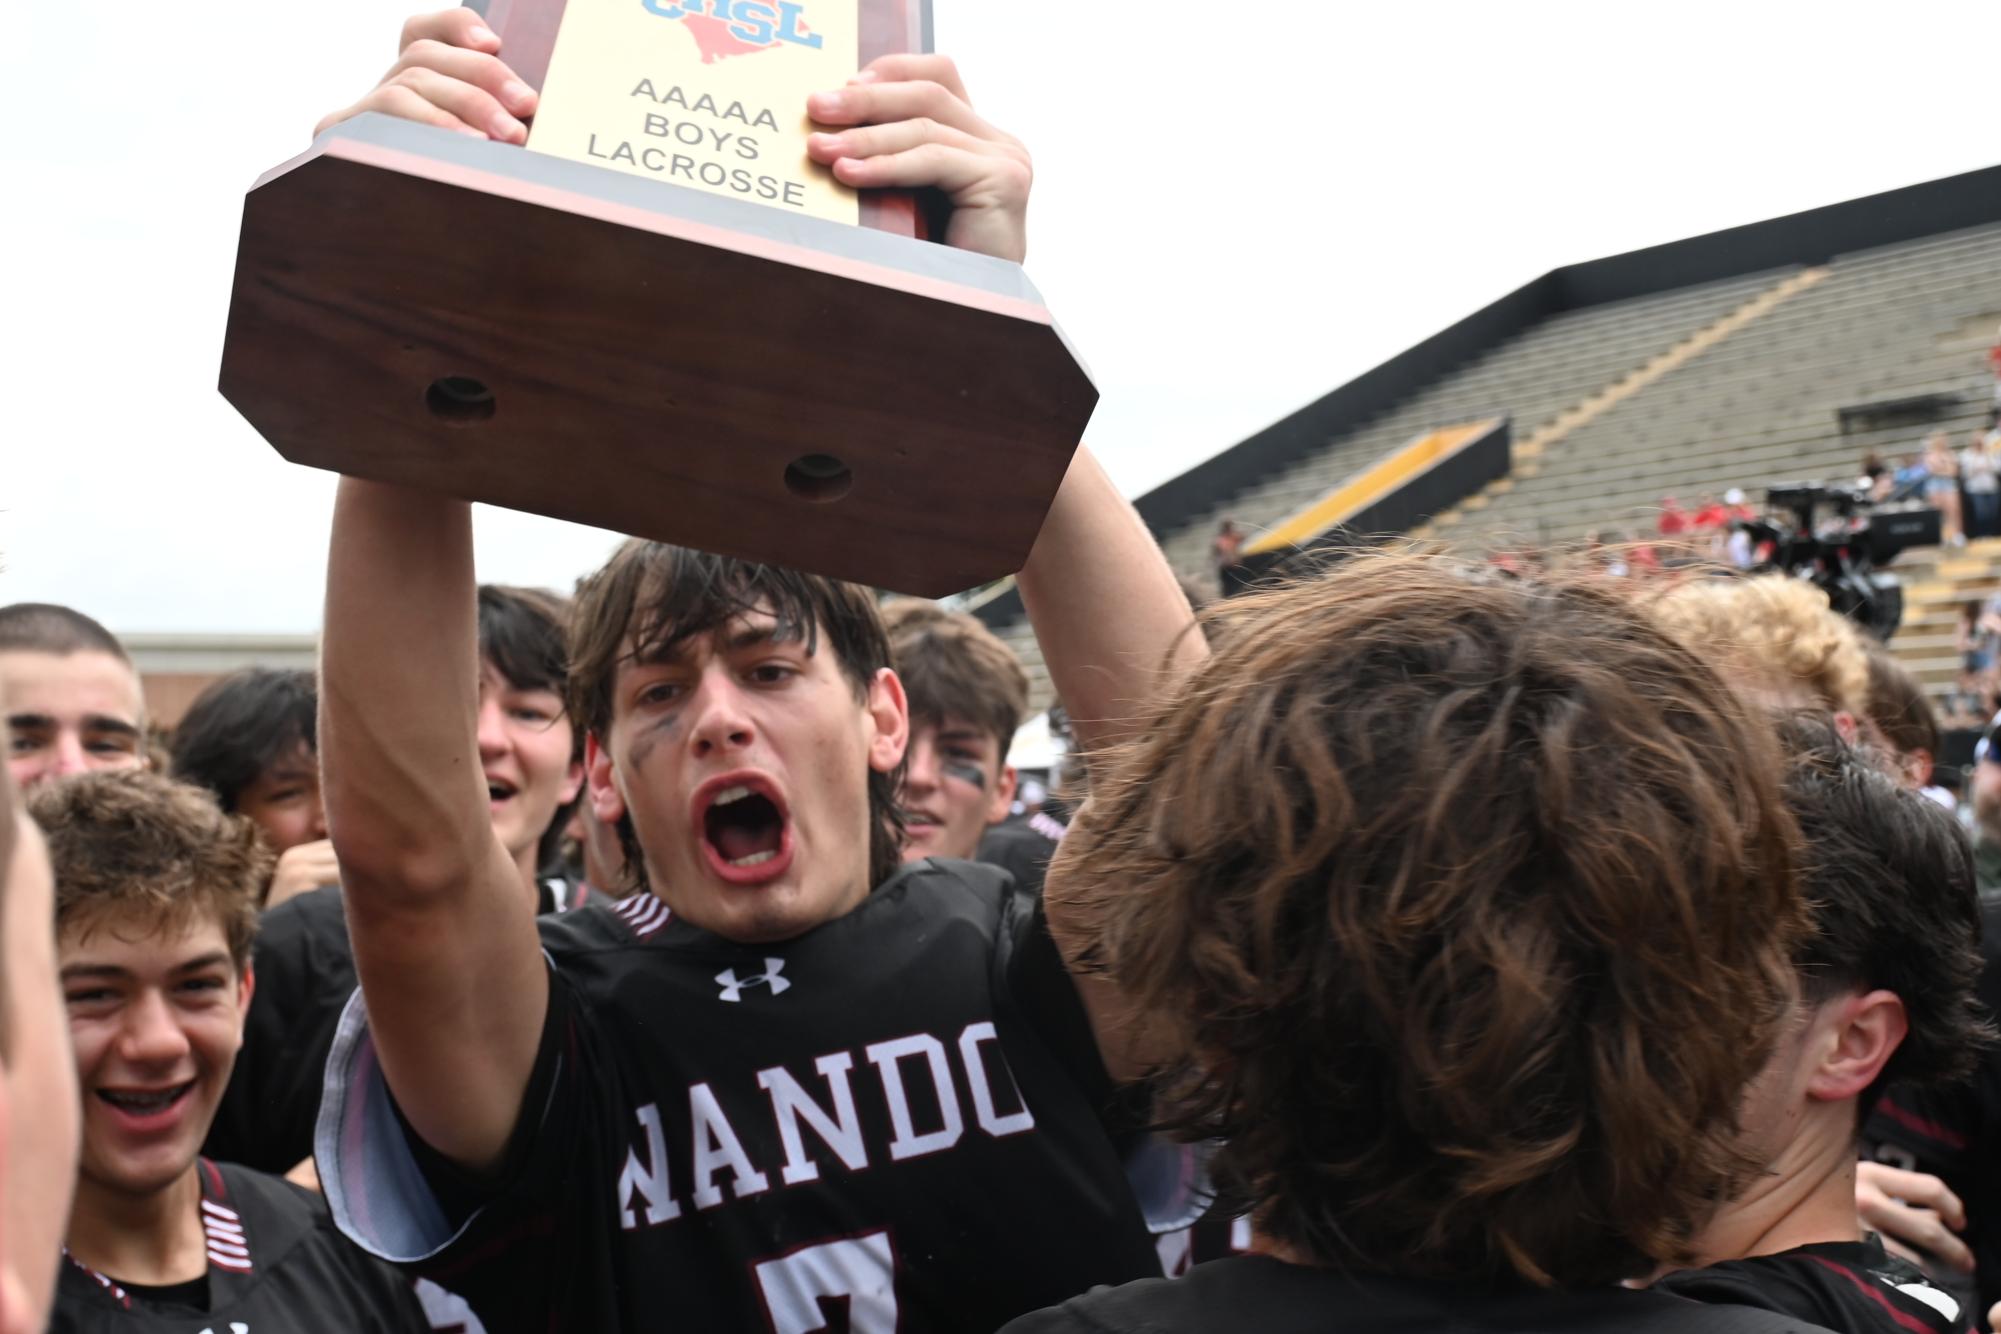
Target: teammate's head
(73, 699)
(38, 1101)
(1466, 905)
(251, 739)
(967, 694)
(1885, 989)
(746, 736)
(1896, 917)
(531, 753)
(1901, 717)
(155, 910)
(1776, 637)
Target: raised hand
(912, 126)
(450, 74)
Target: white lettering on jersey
(841, 1132)
(733, 986)
(888, 1058)
(979, 1083)
(651, 1180)
(856, 1275)
(716, 1145)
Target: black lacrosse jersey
(1023, 848)
(276, 1265)
(1258, 1293)
(305, 974)
(1855, 1287)
(888, 1123)
(1951, 1132)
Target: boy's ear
(889, 713)
(607, 802)
(1003, 799)
(1861, 1033)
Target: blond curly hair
(1773, 633)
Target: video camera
(1840, 539)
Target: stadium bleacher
(1642, 386)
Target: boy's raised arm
(443, 931)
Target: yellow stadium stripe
(1368, 486)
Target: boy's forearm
(398, 690)
(1111, 618)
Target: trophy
(660, 317)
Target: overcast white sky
(1238, 207)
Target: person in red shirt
(1710, 516)
(1674, 519)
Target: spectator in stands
(1710, 515)
(1994, 365)
(38, 1100)
(1987, 812)
(1902, 723)
(1877, 476)
(1974, 638)
(1942, 486)
(1740, 509)
(250, 739)
(1969, 705)
(73, 698)
(1909, 479)
(1777, 639)
(1226, 555)
(1981, 487)
(1886, 992)
(1383, 1000)
(1674, 520)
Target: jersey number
(837, 1285)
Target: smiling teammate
(531, 762)
(155, 909)
(789, 1085)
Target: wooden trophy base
(419, 307)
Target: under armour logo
(733, 986)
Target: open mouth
(146, 1102)
(744, 827)
(499, 790)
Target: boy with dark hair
(1886, 993)
(531, 759)
(73, 699)
(793, 1083)
(1903, 718)
(1473, 1047)
(250, 738)
(155, 911)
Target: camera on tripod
(1841, 540)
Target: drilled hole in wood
(459, 399)
(819, 478)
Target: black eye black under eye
(965, 773)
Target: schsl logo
(755, 23)
(733, 986)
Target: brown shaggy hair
(1470, 902)
(954, 667)
(140, 849)
(651, 598)
(1898, 707)
(1773, 632)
